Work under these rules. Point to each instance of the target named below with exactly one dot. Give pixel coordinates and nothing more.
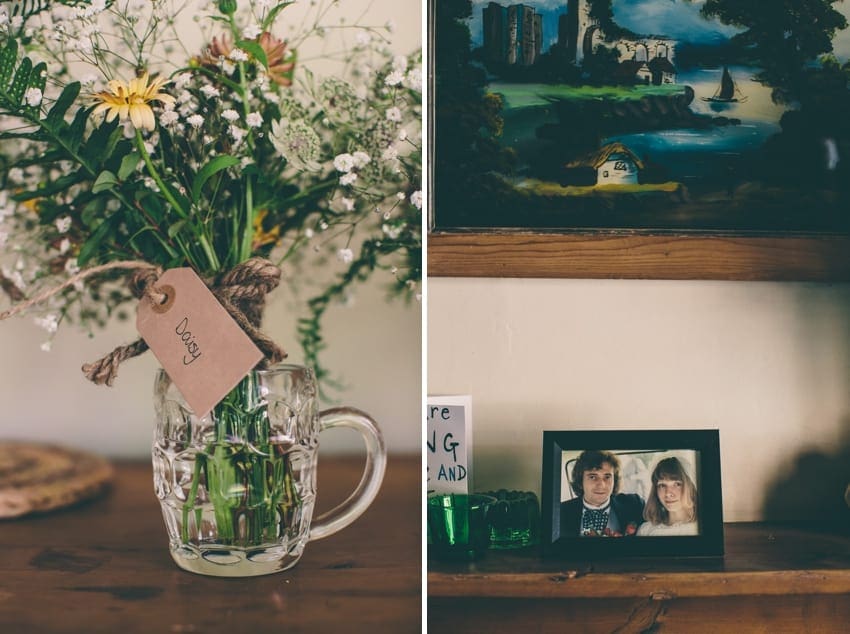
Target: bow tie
(595, 519)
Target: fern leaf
(77, 129)
(45, 158)
(101, 142)
(103, 230)
(38, 79)
(20, 82)
(57, 112)
(28, 8)
(29, 135)
(52, 188)
(8, 57)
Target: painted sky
(677, 19)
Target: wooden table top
(104, 566)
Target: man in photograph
(598, 508)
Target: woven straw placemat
(37, 478)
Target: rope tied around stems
(241, 291)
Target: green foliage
(14, 77)
(227, 7)
(467, 119)
(242, 165)
(27, 9)
(209, 170)
(309, 327)
(786, 37)
(791, 42)
(602, 11)
(602, 65)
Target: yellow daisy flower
(131, 99)
(261, 236)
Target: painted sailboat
(727, 92)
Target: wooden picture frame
(771, 248)
(638, 256)
(639, 455)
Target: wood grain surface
(773, 578)
(638, 256)
(104, 566)
(794, 614)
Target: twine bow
(241, 291)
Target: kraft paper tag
(204, 351)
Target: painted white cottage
(615, 164)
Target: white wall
(375, 347)
(768, 364)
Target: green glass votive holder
(457, 526)
(513, 519)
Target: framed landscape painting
(661, 117)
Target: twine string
(241, 291)
(75, 279)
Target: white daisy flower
(63, 224)
(344, 162)
(230, 115)
(254, 119)
(33, 97)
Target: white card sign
(448, 420)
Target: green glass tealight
(513, 519)
(457, 526)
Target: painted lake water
(691, 154)
(687, 155)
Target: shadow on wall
(813, 490)
(496, 469)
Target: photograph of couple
(629, 493)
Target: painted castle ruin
(513, 35)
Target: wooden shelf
(772, 559)
(633, 255)
(771, 574)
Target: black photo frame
(697, 450)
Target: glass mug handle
(376, 463)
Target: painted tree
(791, 41)
(785, 37)
(467, 121)
(602, 11)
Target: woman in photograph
(671, 509)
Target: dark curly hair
(593, 459)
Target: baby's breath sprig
(118, 143)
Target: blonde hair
(670, 469)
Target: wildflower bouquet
(120, 144)
(116, 144)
